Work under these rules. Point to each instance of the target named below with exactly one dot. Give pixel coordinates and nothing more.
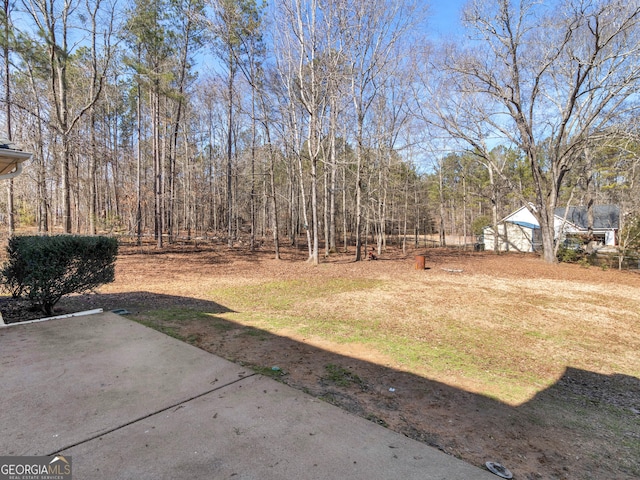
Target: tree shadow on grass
(21, 310)
(136, 303)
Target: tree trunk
(93, 168)
(66, 185)
(276, 238)
(139, 165)
(230, 154)
(252, 199)
(359, 155)
(547, 232)
(157, 164)
(7, 98)
(443, 238)
(314, 211)
(344, 210)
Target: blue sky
(445, 16)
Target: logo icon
(52, 467)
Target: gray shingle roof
(604, 216)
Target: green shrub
(571, 255)
(44, 269)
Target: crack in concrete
(144, 417)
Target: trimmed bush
(44, 269)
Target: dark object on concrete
(499, 470)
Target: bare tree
(54, 22)
(6, 38)
(373, 32)
(97, 75)
(547, 80)
(230, 24)
(305, 77)
(189, 36)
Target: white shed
(518, 232)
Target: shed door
(536, 240)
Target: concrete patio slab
(64, 381)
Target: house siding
(511, 238)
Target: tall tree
(303, 43)
(97, 78)
(250, 54)
(189, 38)
(7, 39)
(373, 32)
(54, 21)
(147, 34)
(31, 76)
(550, 80)
(235, 22)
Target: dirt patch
(584, 424)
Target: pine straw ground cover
(488, 358)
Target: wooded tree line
(342, 122)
